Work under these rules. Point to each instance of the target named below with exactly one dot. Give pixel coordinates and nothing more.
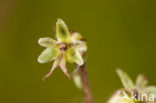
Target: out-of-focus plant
(69, 47)
(139, 92)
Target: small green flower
(140, 87)
(69, 47)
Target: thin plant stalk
(85, 84)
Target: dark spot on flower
(71, 32)
(83, 39)
(135, 93)
(63, 46)
(62, 30)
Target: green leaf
(62, 31)
(141, 81)
(73, 56)
(47, 42)
(48, 55)
(125, 79)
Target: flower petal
(78, 42)
(63, 66)
(47, 42)
(150, 90)
(48, 55)
(141, 81)
(62, 31)
(73, 56)
(81, 46)
(126, 80)
(55, 64)
(117, 97)
(75, 36)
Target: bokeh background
(120, 34)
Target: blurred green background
(120, 34)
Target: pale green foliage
(73, 56)
(125, 79)
(62, 32)
(77, 81)
(141, 81)
(48, 55)
(47, 42)
(116, 97)
(79, 45)
(68, 48)
(150, 90)
(140, 87)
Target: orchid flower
(140, 87)
(68, 47)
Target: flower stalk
(85, 84)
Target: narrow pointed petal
(51, 71)
(62, 31)
(63, 66)
(47, 42)
(73, 56)
(55, 64)
(125, 79)
(48, 55)
(141, 81)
